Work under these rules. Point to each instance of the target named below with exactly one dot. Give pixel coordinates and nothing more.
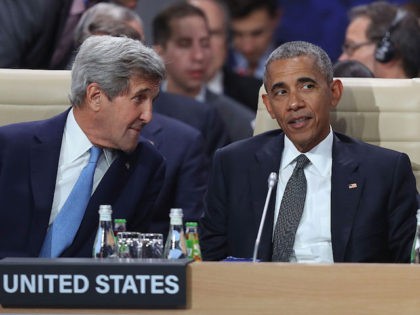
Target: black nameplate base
(93, 283)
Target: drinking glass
(129, 244)
(151, 245)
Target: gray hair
(111, 62)
(117, 13)
(299, 48)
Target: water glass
(151, 245)
(129, 244)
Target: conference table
(282, 288)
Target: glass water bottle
(175, 247)
(105, 245)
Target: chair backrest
(385, 112)
(27, 95)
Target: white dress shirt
(216, 84)
(313, 236)
(74, 156)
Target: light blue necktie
(62, 231)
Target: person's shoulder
(28, 128)
(253, 143)
(175, 126)
(175, 105)
(232, 103)
(367, 150)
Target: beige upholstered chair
(384, 112)
(32, 94)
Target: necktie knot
(301, 161)
(95, 152)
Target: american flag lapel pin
(352, 186)
(127, 166)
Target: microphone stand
(272, 180)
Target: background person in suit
(360, 200)
(221, 79)
(186, 170)
(253, 23)
(114, 81)
(182, 39)
(384, 38)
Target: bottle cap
(105, 212)
(176, 212)
(120, 220)
(191, 224)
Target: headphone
(385, 50)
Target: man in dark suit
(201, 116)
(114, 81)
(28, 30)
(360, 201)
(186, 170)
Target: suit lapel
(107, 192)
(267, 161)
(346, 187)
(44, 157)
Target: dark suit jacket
(186, 170)
(244, 89)
(28, 31)
(201, 116)
(29, 154)
(374, 222)
(238, 119)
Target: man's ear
(94, 96)
(336, 91)
(267, 104)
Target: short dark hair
(294, 49)
(162, 22)
(239, 9)
(351, 69)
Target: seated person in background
(180, 144)
(253, 23)
(385, 39)
(182, 39)
(337, 199)
(351, 69)
(221, 79)
(113, 83)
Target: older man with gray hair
(44, 163)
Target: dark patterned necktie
(290, 212)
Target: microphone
(272, 180)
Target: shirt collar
(320, 156)
(76, 143)
(241, 63)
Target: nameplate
(93, 283)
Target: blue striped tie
(62, 231)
